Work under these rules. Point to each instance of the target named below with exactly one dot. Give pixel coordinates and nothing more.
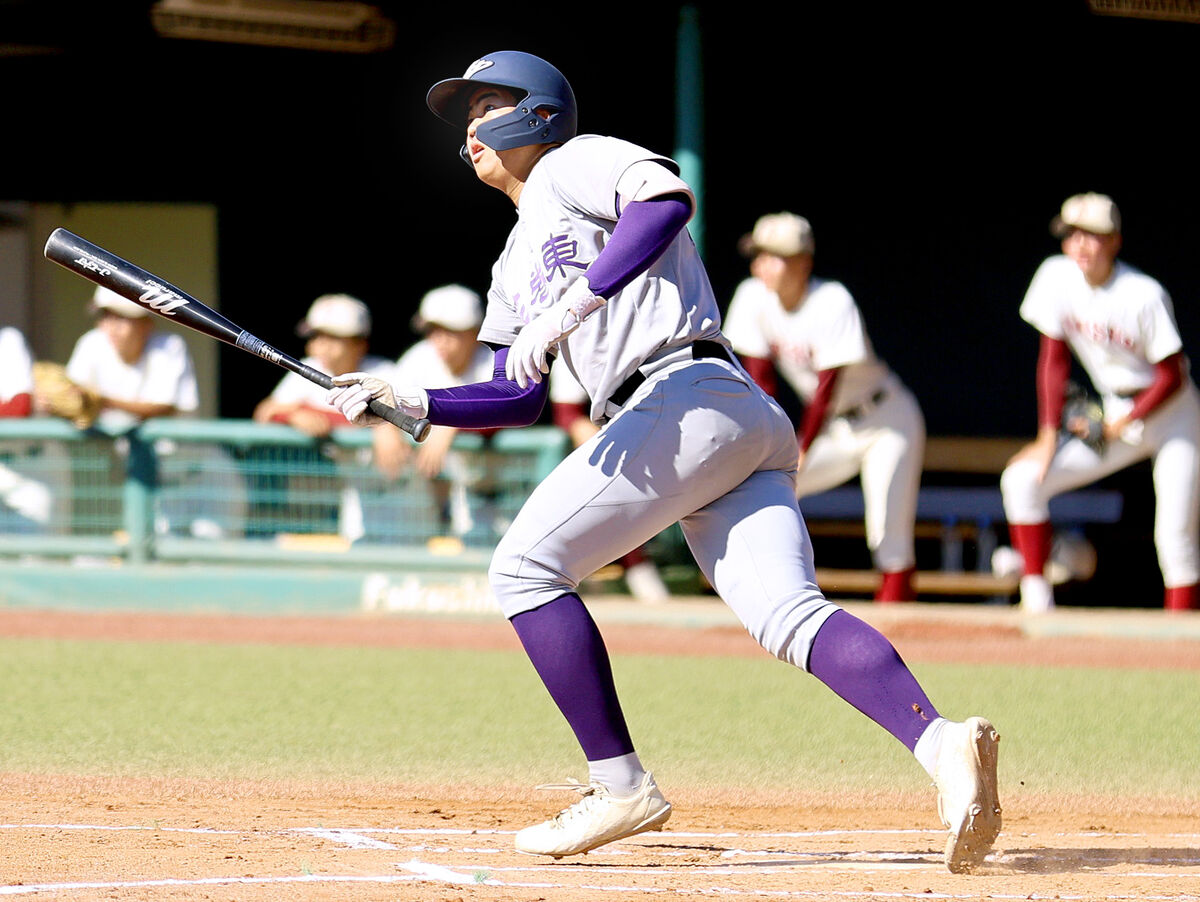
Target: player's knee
(1019, 483)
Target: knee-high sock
(1033, 540)
(858, 663)
(568, 653)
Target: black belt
(858, 411)
(701, 350)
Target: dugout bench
(952, 515)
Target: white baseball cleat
(968, 802)
(1037, 595)
(598, 818)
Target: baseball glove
(55, 394)
(1083, 417)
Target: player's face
(783, 276)
(499, 168)
(456, 347)
(128, 336)
(335, 353)
(1094, 254)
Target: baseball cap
(104, 299)
(453, 307)
(1091, 212)
(783, 234)
(337, 314)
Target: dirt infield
(87, 838)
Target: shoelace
(590, 792)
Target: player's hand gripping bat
(164, 299)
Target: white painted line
(30, 888)
(128, 827)
(350, 838)
(444, 875)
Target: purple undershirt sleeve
(642, 233)
(489, 405)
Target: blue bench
(978, 507)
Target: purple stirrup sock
(566, 650)
(858, 663)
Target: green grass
(277, 713)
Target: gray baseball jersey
(569, 207)
(696, 443)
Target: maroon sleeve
(564, 414)
(1168, 376)
(817, 409)
(1053, 370)
(762, 371)
(17, 406)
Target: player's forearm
(762, 371)
(143, 409)
(643, 232)
(1053, 370)
(1168, 377)
(483, 405)
(817, 409)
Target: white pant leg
(754, 548)
(687, 437)
(1175, 434)
(834, 457)
(1075, 464)
(1172, 438)
(891, 480)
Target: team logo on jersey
(558, 253)
(476, 67)
(1099, 333)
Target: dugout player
(600, 270)
(336, 332)
(448, 354)
(1120, 325)
(859, 418)
(16, 374)
(24, 503)
(137, 371)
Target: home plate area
(330, 862)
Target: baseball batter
(859, 418)
(599, 268)
(1120, 325)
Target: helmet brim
(448, 99)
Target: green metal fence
(234, 490)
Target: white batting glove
(527, 358)
(352, 392)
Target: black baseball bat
(161, 297)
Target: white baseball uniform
(696, 442)
(874, 429)
(1118, 332)
(16, 365)
(422, 365)
(162, 375)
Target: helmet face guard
(537, 85)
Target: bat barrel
(133, 283)
(164, 299)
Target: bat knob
(420, 430)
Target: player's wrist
(578, 302)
